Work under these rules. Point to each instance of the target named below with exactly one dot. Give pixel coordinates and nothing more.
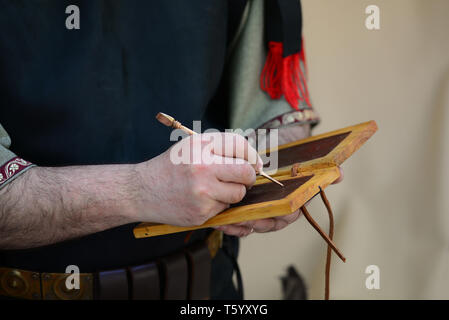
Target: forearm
(48, 205)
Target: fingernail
(259, 164)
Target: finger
(274, 224)
(340, 178)
(236, 146)
(227, 192)
(234, 230)
(264, 225)
(247, 224)
(280, 224)
(284, 221)
(290, 218)
(232, 172)
(269, 224)
(260, 225)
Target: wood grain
(266, 209)
(357, 136)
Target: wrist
(144, 181)
(132, 187)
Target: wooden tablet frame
(318, 170)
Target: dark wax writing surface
(309, 150)
(271, 191)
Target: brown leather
(145, 283)
(328, 238)
(294, 169)
(132, 282)
(112, 285)
(54, 287)
(329, 250)
(325, 237)
(199, 264)
(21, 284)
(309, 150)
(174, 277)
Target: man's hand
(243, 229)
(189, 194)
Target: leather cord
(328, 238)
(322, 233)
(331, 235)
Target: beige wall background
(392, 207)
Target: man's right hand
(190, 193)
(52, 204)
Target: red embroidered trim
(12, 168)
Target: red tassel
(270, 79)
(284, 76)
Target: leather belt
(183, 275)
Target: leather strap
(145, 283)
(112, 285)
(329, 249)
(328, 238)
(175, 277)
(199, 265)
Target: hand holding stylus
(169, 121)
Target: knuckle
(200, 191)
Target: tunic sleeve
(250, 107)
(11, 166)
